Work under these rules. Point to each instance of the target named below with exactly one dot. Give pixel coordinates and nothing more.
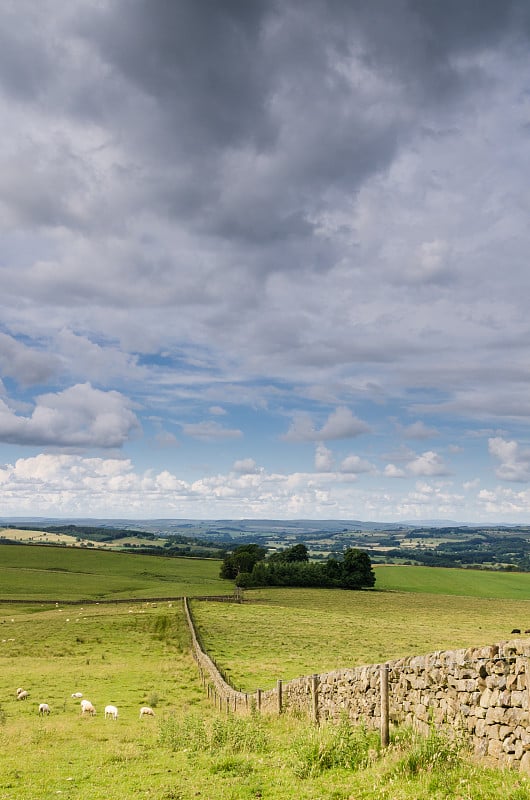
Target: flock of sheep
(87, 708)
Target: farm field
(285, 633)
(61, 573)
(138, 653)
(463, 582)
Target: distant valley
(444, 545)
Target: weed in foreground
(427, 753)
(334, 745)
(232, 734)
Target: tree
(242, 559)
(298, 552)
(357, 569)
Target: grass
(284, 633)
(455, 582)
(128, 654)
(64, 573)
(138, 653)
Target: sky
(265, 259)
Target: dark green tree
(298, 552)
(357, 572)
(242, 559)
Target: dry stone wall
(482, 692)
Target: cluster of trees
(249, 567)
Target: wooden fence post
(314, 699)
(258, 699)
(385, 738)
(280, 698)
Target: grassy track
(51, 573)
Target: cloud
(324, 460)
(27, 365)
(418, 430)
(210, 431)
(391, 471)
(428, 464)
(341, 424)
(246, 466)
(514, 461)
(356, 465)
(79, 417)
(200, 229)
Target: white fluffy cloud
(356, 465)
(80, 416)
(324, 459)
(514, 461)
(428, 464)
(246, 466)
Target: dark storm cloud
(201, 60)
(258, 116)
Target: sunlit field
(67, 573)
(139, 653)
(136, 653)
(463, 582)
(284, 633)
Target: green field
(136, 653)
(61, 573)
(284, 633)
(463, 582)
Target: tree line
(249, 566)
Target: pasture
(284, 633)
(137, 653)
(67, 573)
(456, 582)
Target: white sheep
(111, 712)
(145, 711)
(44, 708)
(87, 708)
(77, 695)
(22, 695)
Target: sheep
(145, 711)
(87, 708)
(111, 712)
(44, 708)
(77, 695)
(23, 695)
